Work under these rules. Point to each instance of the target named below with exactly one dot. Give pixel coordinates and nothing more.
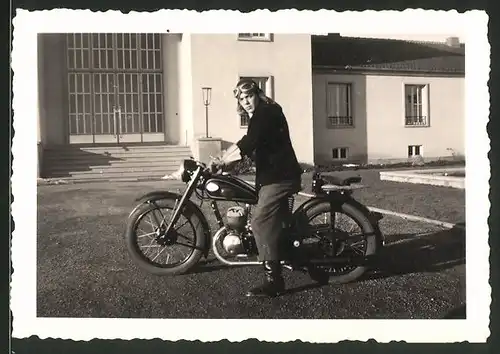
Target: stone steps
(117, 165)
(112, 162)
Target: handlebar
(208, 169)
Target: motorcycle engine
(232, 244)
(236, 221)
(236, 218)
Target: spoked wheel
(343, 238)
(159, 252)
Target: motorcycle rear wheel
(150, 266)
(317, 273)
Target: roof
(373, 54)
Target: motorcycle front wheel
(160, 247)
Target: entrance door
(127, 110)
(115, 88)
(116, 108)
(105, 125)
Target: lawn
(434, 202)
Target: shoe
(274, 284)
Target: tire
(162, 270)
(372, 242)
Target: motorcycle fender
(310, 203)
(159, 195)
(153, 196)
(339, 199)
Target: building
(102, 94)
(132, 105)
(384, 101)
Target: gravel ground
(85, 271)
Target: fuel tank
(231, 188)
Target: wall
(41, 129)
(52, 95)
(379, 134)
(219, 59)
(172, 70)
(354, 138)
(40, 122)
(388, 138)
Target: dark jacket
(268, 143)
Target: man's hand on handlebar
(216, 165)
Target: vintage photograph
(247, 176)
(341, 124)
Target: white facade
(390, 117)
(284, 63)
(134, 89)
(121, 88)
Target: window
(254, 36)
(340, 153)
(338, 105)
(414, 150)
(265, 84)
(109, 72)
(416, 106)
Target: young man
(278, 175)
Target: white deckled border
(471, 25)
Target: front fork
(187, 194)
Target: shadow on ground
(56, 163)
(403, 254)
(431, 252)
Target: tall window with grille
(416, 105)
(339, 105)
(115, 87)
(265, 84)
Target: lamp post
(207, 96)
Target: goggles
(245, 87)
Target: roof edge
(446, 43)
(382, 71)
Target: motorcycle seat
(338, 181)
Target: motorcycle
(322, 251)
